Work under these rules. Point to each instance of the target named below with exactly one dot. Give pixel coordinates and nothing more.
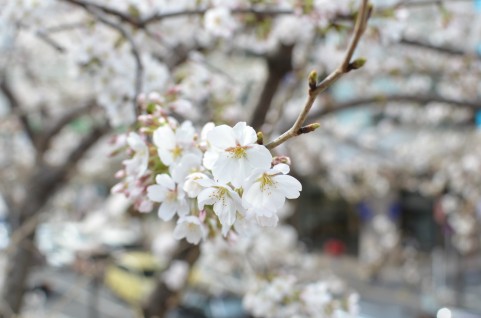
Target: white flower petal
(156, 193)
(259, 157)
(167, 210)
(164, 139)
(165, 180)
(244, 134)
(206, 197)
(221, 137)
(282, 168)
(289, 186)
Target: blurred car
(132, 276)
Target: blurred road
(73, 296)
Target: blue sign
(478, 119)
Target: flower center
(172, 195)
(238, 151)
(221, 192)
(176, 152)
(192, 227)
(266, 181)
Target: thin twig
(344, 68)
(450, 50)
(135, 52)
(68, 117)
(199, 11)
(64, 27)
(142, 23)
(16, 109)
(382, 99)
(410, 4)
(41, 34)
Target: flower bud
(312, 80)
(357, 64)
(260, 138)
(309, 128)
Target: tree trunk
(278, 65)
(162, 299)
(40, 188)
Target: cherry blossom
(267, 190)
(219, 22)
(172, 145)
(239, 153)
(172, 198)
(191, 228)
(225, 201)
(138, 164)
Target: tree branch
(382, 99)
(40, 188)
(156, 17)
(278, 65)
(41, 34)
(135, 52)
(315, 89)
(442, 49)
(46, 137)
(252, 10)
(16, 109)
(411, 4)
(162, 298)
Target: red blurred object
(334, 247)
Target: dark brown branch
(16, 109)
(417, 3)
(442, 49)
(316, 88)
(163, 299)
(252, 10)
(278, 65)
(64, 27)
(47, 136)
(383, 99)
(105, 9)
(135, 52)
(42, 185)
(142, 23)
(41, 34)
(84, 146)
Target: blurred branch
(135, 51)
(142, 23)
(420, 3)
(41, 186)
(383, 99)
(442, 49)
(252, 10)
(316, 88)
(88, 5)
(64, 27)
(278, 65)
(83, 147)
(67, 118)
(162, 298)
(16, 109)
(43, 35)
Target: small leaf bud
(309, 128)
(312, 80)
(260, 138)
(357, 64)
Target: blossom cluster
(218, 180)
(285, 296)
